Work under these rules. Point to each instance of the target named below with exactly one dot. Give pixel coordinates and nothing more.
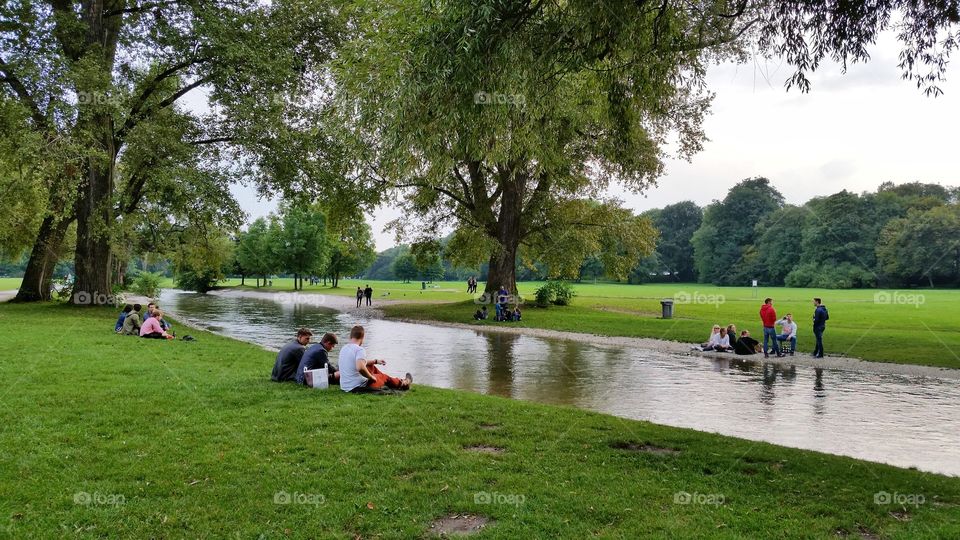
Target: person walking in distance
(768, 316)
(820, 318)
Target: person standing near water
(368, 294)
(820, 318)
(359, 296)
(768, 316)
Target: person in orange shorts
(357, 374)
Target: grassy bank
(915, 327)
(105, 435)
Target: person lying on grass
(153, 327)
(357, 374)
(285, 368)
(316, 357)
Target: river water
(902, 420)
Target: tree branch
(23, 95)
(141, 114)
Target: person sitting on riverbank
(732, 335)
(746, 344)
(151, 308)
(123, 315)
(153, 327)
(723, 344)
(357, 374)
(315, 357)
(481, 314)
(516, 313)
(132, 322)
(713, 341)
(288, 358)
(788, 332)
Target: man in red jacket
(768, 316)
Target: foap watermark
(899, 499)
(97, 298)
(685, 497)
(510, 499)
(293, 298)
(285, 497)
(490, 298)
(96, 98)
(899, 298)
(498, 98)
(697, 297)
(99, 499)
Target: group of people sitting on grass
(726, 339)
(151, 325)
(353, 372)
(502, 311)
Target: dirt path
(348, 304)
(7, 295)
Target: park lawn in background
(108, 435)
(911, 327)
(9, 284)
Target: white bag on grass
(317, 378)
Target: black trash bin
(667, 309)
(423, 285)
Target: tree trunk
(503, 262)
(43, 259)
(242, 278)
(93, 258)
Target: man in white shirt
(788, 330)
(357, 374)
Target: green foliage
(202, 261)
(405, 267)
(842, 276)
(677, 224)
(559, 293)
(255, 252)
(922, 247)
(729, 226)
(147, 284)
(299, 241)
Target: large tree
(93, 75)
(492, 117)
(677, 223)
(729, 229)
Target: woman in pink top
(152, 327)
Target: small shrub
(559, 293)
(147, 284)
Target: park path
(7, 295)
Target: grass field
(112, 436)
(8, 284)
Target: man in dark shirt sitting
(285, 368)
(316, 357)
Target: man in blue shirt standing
(820, 317)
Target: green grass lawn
(861, 323)
(105, 435)
(8, 284)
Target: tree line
(899, 235)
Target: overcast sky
(851, 131)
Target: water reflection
(906, 421)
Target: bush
(842, 276)
(554, 292)
(200, 282)
(146, 284)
